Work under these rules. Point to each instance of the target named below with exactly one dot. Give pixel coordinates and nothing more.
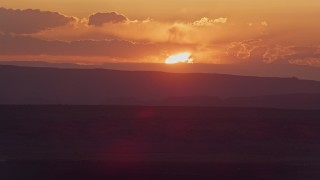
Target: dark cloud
(99, 19)
(30, 21)
(24, 45)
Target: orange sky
(168, 8)
(213, 31)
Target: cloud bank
(30, 21)
(99, 19)
(113, 49)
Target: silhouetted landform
(30, 85)
(288, 101)
(242, 69)
(137, 142)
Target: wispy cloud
(243, 50)
(209, 22)
(264, 23)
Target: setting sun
(179, 58)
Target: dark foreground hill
(100, 142)
(30, 85)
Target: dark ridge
(31, 85)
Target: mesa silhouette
(32, 85)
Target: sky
(144, 31)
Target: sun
(179, 58)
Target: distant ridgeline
(31, 85)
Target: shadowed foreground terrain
(132, 142)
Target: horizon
(302, 72)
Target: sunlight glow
(179, 58)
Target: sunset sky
(212, 31)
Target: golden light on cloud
(179, 58)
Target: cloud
(141, 31)
(264, 23)
(113, 49)
(292, 54)
(100, 19)
(177, 32)
(209, 22)
(23, 45)
(276, 53)
(307, 55)
(306, 61)
(259, 50)
(243, 50)
(30, 21)
(221, 20)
